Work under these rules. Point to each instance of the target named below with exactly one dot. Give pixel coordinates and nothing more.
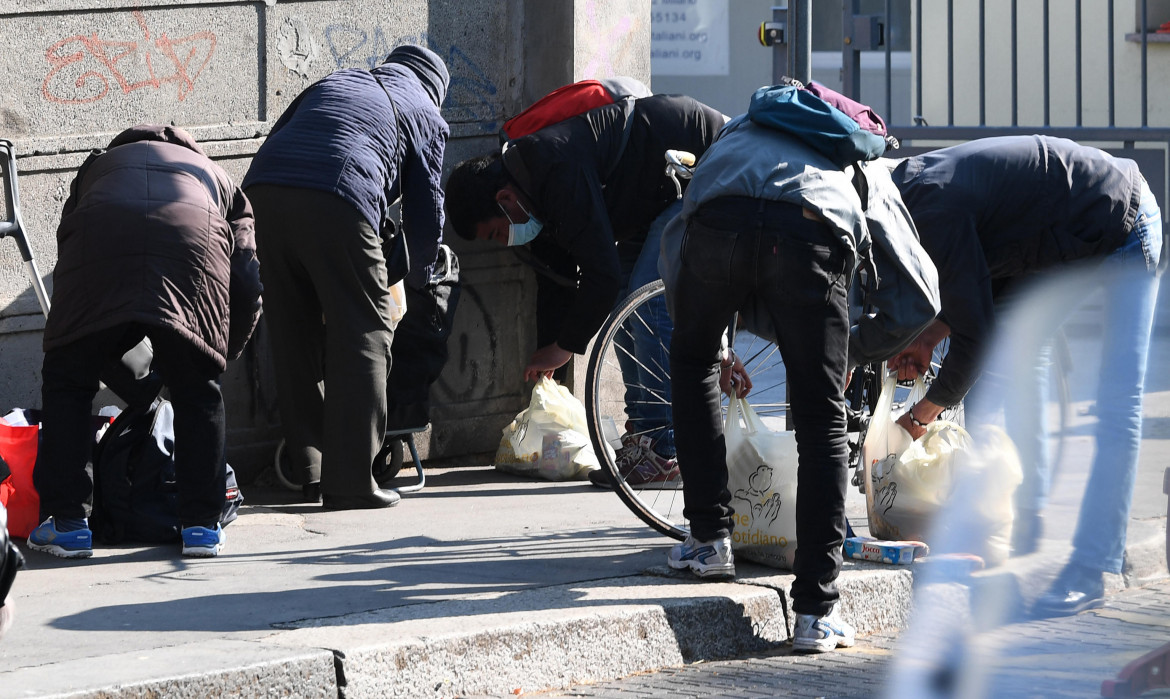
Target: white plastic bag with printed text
(761, 476)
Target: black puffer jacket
(593, 187)
(1006, 207)
(154, 232)
(342, 135)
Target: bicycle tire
(660, 505)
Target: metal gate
(942, 64)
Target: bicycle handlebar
(680, 158)
(679, 163)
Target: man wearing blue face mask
(521, 233)
(586, 200)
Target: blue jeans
(646, 372)
(1130, 292)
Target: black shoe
(311, 492)
(1027, 529)
(600, 478)
(376, 499)
(1075, 590)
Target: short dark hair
(470, 194)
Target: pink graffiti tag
(183, 53)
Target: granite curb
(544, 638)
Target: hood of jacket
(427, 67)
(156, 132)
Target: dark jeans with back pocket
(70, 382)
(739, 250)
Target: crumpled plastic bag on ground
(549, 439)
(949, 488)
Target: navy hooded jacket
(341, 135)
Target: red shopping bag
(18, 448)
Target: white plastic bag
(988, 483)
(549, 439)
(907, 480)
(761, 475)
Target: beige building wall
(1095, 78)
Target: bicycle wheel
(612, 414)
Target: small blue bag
(806, 116)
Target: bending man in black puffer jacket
(587, 199)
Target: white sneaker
(708, 559)
(819, 634)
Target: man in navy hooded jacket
(323, 184)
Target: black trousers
(735, 249)
(70, 381)
(327, 310)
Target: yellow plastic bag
(549, 439)
(761, 476)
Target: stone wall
(79, 72)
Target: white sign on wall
(689, 37)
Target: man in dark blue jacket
(993, 214)
(323, 184)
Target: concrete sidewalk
(481, 583)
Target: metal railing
(1155, 162)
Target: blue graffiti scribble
(471, 95)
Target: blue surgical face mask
(521, 233)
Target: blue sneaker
(708, 559)
(74, 544)
(820, 634)
(201, 542)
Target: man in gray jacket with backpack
(770, 218)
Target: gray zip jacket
(749, 160)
